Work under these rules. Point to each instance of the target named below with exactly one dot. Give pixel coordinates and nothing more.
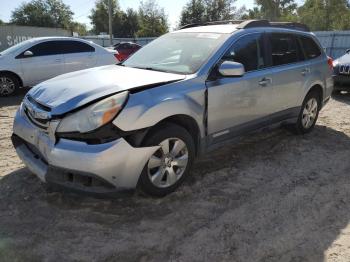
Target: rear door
(239, 104)
(289, 71)
(78, 55)
(46, 62)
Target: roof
(230, 26)
(126, 42)
(51, 37)
(223, 29)
(36, 39)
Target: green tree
(274, 10)
(47, 13)
(217, 10)
(254, 13)
(124, 24)
(193, 12)
(79, 28)
(99, 15)
(325, 14)
(197, 11)
(152, 19)
(1, 22)
(129, 23)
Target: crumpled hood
(69, 91)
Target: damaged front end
(100, 161)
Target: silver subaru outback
(141, 123)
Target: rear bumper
(102, 168)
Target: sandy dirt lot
(272, 197)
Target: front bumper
(100, 168)
(341, 82)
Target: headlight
(335, 63)
(93, 116)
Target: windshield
(14, 48)
(182, 53)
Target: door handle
(265, 81)
(58, 60)
(305, 71)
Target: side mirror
(229, 68)
(28, 53)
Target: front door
(45, 62)
(237, 104)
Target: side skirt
(276, 120)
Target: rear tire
(169, 166)
(308, 114)
(9, 84)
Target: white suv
(36, 60)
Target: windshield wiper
(151, 69)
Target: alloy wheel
(7, 86)
(309, 113)
(167, 165)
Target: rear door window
(248, 50)
(284, 49)
(71, 47)
(311, 49)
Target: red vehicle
(125, 49)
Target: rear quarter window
(311, 49)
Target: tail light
(117, 57)
(330, 63)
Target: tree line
(319, 15)
(150, 20)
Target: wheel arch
(186, 122)
(317, 88)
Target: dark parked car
(342, 72)
(126, 49)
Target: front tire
(309, 113)
(169, 166)
(9, 85)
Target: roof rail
(244, 24)
(291, 25)
(223, 22)
(190, 25)
(253, 23)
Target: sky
(81, 8)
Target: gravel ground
(273, 197)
